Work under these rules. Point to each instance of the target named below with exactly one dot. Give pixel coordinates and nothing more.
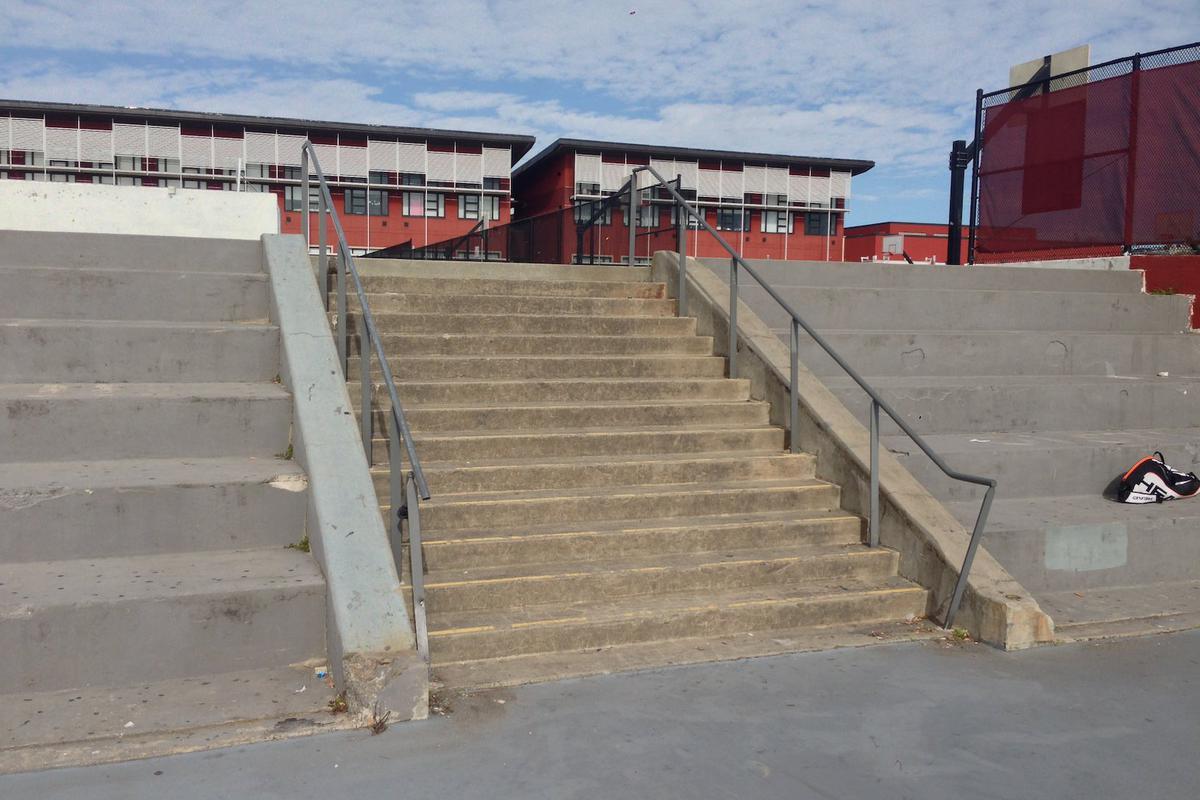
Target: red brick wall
(1180, 274)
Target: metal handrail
(406, 489)
(736, 262)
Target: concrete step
(98, 509)
(75, 351)
(519, 304)
(61, 421)
(534, 287)
(470, 446)
(1045, 463)
(451, 270)
(499, 510)
(494, 673)
(828, 308)
(408, 345)
(811, 274)
(560, 416)
(604, 541)
(126, 252)
(416, 390)
(497, 324)
(1084, 542)
(120, 621)
(477, 635)
(529, 474)
(92, 725)
(587, 581)
(1028, 403)
(113, 294)
(938, 353)
(1123, 611)
(575, 366)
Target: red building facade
(889, 241)
(390, 185)
(767, 206)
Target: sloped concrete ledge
(931, 542)
(372, 650)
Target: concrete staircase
(1050, 380)
(146, 588)
(604, 498)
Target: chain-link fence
(1098, 161)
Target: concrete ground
(1115, 719)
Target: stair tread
(634, 490)
(418, 436)
(584, 404)
(401, 382)
(537, 667)
(647, 458)
(141, 324)
(91, 716)
(95, 581)
(130, 473)
(618, 526)
(570, 357)
(644, 563)
(622, 609)
(202, 390)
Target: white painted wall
(138, 210)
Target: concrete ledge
(931, 542)
(372, 650)
(98, 208)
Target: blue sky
(889, 81)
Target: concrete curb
(931, 542)
(372, 650)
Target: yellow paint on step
(539, 622)
(458, 631)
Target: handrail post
(304, 221)
(683, 220)
(733, 324)
(634, 202)
(960, 585)
(323, 257)
(343, 327)
(395, 494)
(367, 420)
(794, 414)
(417, 566)
(873, 520)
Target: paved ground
(924, 720)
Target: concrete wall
(97, 208)
(931, 542)
(372, 650)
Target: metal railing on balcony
(407, 487)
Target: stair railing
(406, 488)
(687, 212)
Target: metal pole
(794, 418)
(395, 494)
(958, 177)
(683, 217)
(1131, 160)
(304, 222)
(960, 586)
(634, 202)
(366, 421)
(416, 565)
(322, 258)
(733, 325)
(874, 518)
(343, 328)
(975, 174)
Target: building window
(356, 201)
(585, 210)
(128, 163)
(435, 205)
(62, 177)
(255, 177)
(732, 219)
(377, 203)
(468, 206)
(377, 178)
(492, 183)
(194, 183)
(412, 179)
(489, 207)
(292, 195)
(591, 189)
(412, 204)
(816, 224)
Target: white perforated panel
(196, 151)
(95, 146)
(664, 166)
(260, 148)
(27, 133)
(327, 154)
(798, 188)
(227, 152)
(646, 179)
(162, 141)
(587, 169)
(731, 184)
(441, 166)
(62, 143)
(689, 173)
(840, 184)
(288, 149)
(776, 180)
(468, 168)
(381, 156)
(129, 140)
(613, 177)
(709, 183)
(352, 161)
(497, 162)
(818, 191)
(410, 157)
(756, 180)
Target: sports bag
(1152, 481)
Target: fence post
(794, 413)
(733, 326)
(367, 418)
(683, 219)
(975, 175)
(873, 521)
(958, 177)
(1131, 165)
